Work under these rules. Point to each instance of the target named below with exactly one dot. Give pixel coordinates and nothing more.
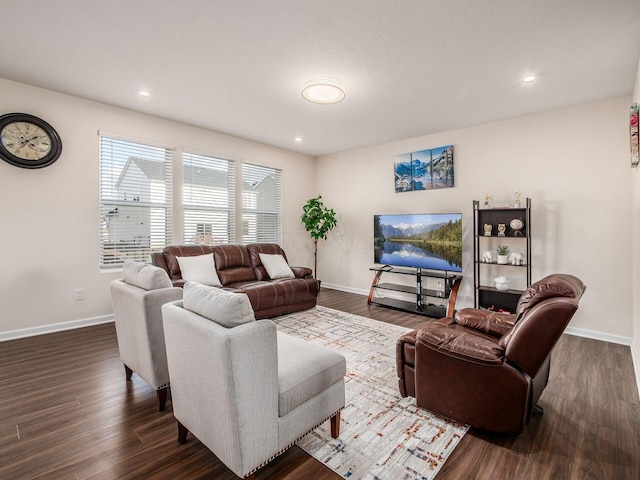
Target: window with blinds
(208, 198)
(135, 200)
(261, 204)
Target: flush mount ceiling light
(324, 90)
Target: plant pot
(503, 259)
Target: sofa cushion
(228, 309)
(305, 370)
(276, 266)
(255, 249)
(233, 264)
(270, 294)
(200, 269)
(145, 276)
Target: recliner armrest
(302, 272)
(449, 338)
(493, 323)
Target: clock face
(27, 141)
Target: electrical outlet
(79, 294)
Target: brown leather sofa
(488, 369)
(239, 269)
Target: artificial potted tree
(318, 220)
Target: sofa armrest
(157, 259)
(448, 338)
(302, 272)
(493, 323)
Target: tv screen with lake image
(431, 240)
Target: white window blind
(208, 196)
(261, 204)
(135, 200)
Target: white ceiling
(410, 67)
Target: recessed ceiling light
(298, 139)
(324, 90)
(144, 93)
(528, 78)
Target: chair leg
(538, 411)
(162, 398)
(182, 433)
(335, 425)
(127, 373)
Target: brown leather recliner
(488, 369)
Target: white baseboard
(345, 289)
(605, 337)
(55, 327)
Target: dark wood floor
(66, 412)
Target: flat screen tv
(430, 240)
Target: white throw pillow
(145, 276)
(226, 308)
(276, 266)
(199, 268)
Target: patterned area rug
(382, 435)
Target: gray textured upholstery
(304, 371)
(227, 386)
(229, 309)
(145, 276)
(138, 320)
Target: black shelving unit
(488, 296)
(422, 304)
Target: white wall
(574, 165)
(49, 218)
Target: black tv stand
(422, 304)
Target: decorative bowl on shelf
(502, 283)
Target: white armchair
(137, 308)
(246, 391)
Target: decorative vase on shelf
(503, 259)
(502, 283)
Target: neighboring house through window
(135, 200)
(261, 204)
(208, 199)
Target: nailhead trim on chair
(292, 443)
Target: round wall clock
(27, 141)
